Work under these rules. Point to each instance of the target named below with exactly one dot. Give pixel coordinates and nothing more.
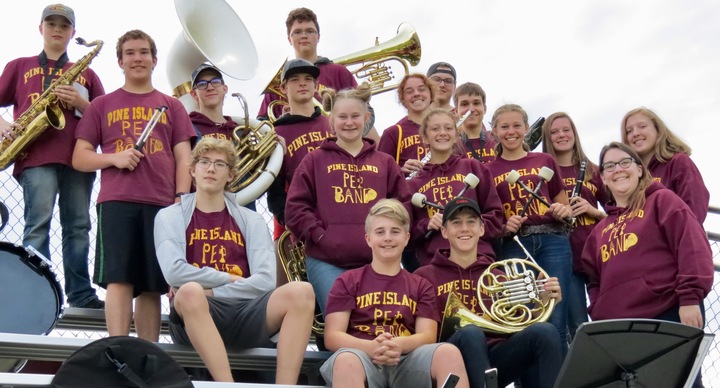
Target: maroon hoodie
(681, 176)
(206, 127)
(331, 195)
(447, 276)
(442, 182)
(402, 141)
(640, 267)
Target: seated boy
(533, 354)
(381, 320)
(219, 260)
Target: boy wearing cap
(444, 76)
(136, 182)
(479, 143)
(303, 32)
(303, 129)
(44, 169)
(381, 320)
(533, 354)
(223, 292)
(208, 91)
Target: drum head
(30, 296)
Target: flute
(427, 157)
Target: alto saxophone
(44, 111)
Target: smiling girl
(333, 189)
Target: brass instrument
(260, 156)
(44, 111)
(515, 296)
(292, 258)
(403, 48)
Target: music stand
(633, 353)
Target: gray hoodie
(170, 244)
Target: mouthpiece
(546, 173)
(471, 180)
(513, 177)
(418, 200)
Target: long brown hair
(667, 144)
(578, 155)
(637, 198)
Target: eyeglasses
(203, 84)
(446, 81)
(623, 163)
(308, 32)
(218, 164)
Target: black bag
(121, 362)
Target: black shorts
(240, 322)
(125, 249)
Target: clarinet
(578, 184)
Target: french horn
(513, 289)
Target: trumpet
(149, 127)
(515, 288)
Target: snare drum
(31, 299)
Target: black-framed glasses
(446, 81)
(623, 163)
(307, 31)
(218, 164)
(203, 84)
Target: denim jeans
(532, 355)
(40, 186)
(576, 298)
(552, 253)
(322, 276)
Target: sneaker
(94, 303)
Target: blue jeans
(322, 276)
(552, 253)
(40, 186)
(575, 297)
(532, 355)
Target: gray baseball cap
(60, 10)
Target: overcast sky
(593, 59)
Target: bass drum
(31, 299)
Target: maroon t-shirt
(592, 191)
(484, 151)
(382, 303)
(442, 182)
(21, 84)
(514, 197)
(402, 141)
(114, 122)
(215, 240)
(209, 128)
(332, 76)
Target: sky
(595, 60)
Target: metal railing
(11, 195)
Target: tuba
(373, 63)
(205, 38)
(513, 287)
(292, 257)
(45, 112)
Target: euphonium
(44, 111)
(403, 48)
(292, 258)
(514, 287)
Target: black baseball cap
(458, 203)
(298, 66)
(434, 69)
(201, 68)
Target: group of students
(380, 268)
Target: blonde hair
(362, 93)
(457, 147)
(212, 144)
(637, 199)
(507, 108)
(667, 144)
(389, 208)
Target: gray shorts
(412, 371)
(240, 322)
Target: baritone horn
(513, 290)
(372, 63)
